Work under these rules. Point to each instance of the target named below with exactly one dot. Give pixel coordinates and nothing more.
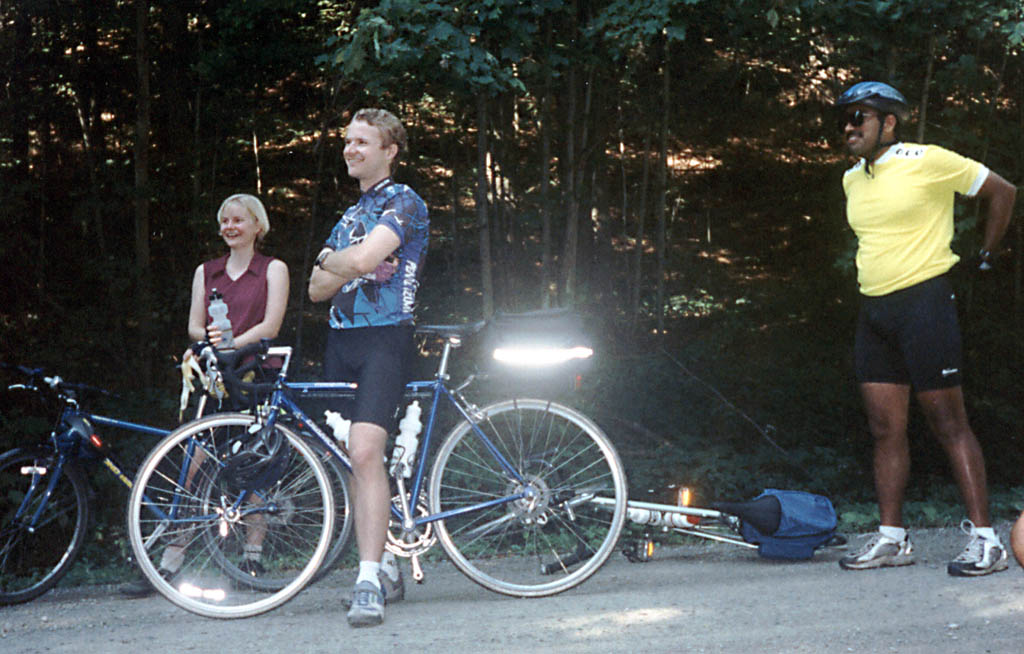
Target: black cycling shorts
(910, 336)
(376, 358)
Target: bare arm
(277, 303)
(197, 310)
(342, 266)
(1000, 195)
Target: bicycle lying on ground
(45, 504)
(526, 496)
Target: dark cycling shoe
(252, 567)
(392, 589)
(140, 587)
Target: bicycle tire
(343, 525)
(183, 503)
(343, 516)
(573, 502)
(32, 562)
(343, 521)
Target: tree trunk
(663, 185)
(585, 169)
(572, 202)
(82, 111)
(547, 290)
(641, 215)
(142, 127)
(320, 150)
(486, 279)
(929, 69)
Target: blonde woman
(255, 288)
(253, 285)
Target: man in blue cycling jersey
(899, 202)
(369, 269)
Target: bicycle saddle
(763, 514)
(451, 330)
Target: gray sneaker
(367, 608)
(393, 589)
(880, 551)
(980, 557)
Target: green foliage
(467, 47)
(625, 24)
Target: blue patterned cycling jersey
(365, 302)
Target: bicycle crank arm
(417, 569)
(565, 563)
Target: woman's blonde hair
(252, 204)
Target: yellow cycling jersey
(902, 213)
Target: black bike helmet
(877, 95)
(882, 97)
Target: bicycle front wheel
(228, 519)
(539, 496)
(35, 552)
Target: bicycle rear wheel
(343, 517)
(33, 558)
(223, 557)
(564, 497)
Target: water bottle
(219, 317)
(407, 440)
(339, 425)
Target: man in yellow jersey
(899, 202)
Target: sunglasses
(854, 118)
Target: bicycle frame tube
(118, 470)
(51, 483)
(438, 390)
(122, 424)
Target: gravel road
(693, 598)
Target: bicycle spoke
(243, 518)
(549, 525)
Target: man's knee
(366, 447)
(947, 418)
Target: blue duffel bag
(786, 524)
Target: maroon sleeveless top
(246, 296)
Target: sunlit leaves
(461, 46)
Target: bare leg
(944, 409)
(887, 406)
(370, 489)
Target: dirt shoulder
(694, 598)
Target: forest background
(669, 169)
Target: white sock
(252, 552)
(988, 533)
(389, 565)
(368, 572)
(895, 533)
(172, 558)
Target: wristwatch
(319, 263)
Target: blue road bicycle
(527, 496)
(45, 503)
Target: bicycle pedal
(639, 550)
